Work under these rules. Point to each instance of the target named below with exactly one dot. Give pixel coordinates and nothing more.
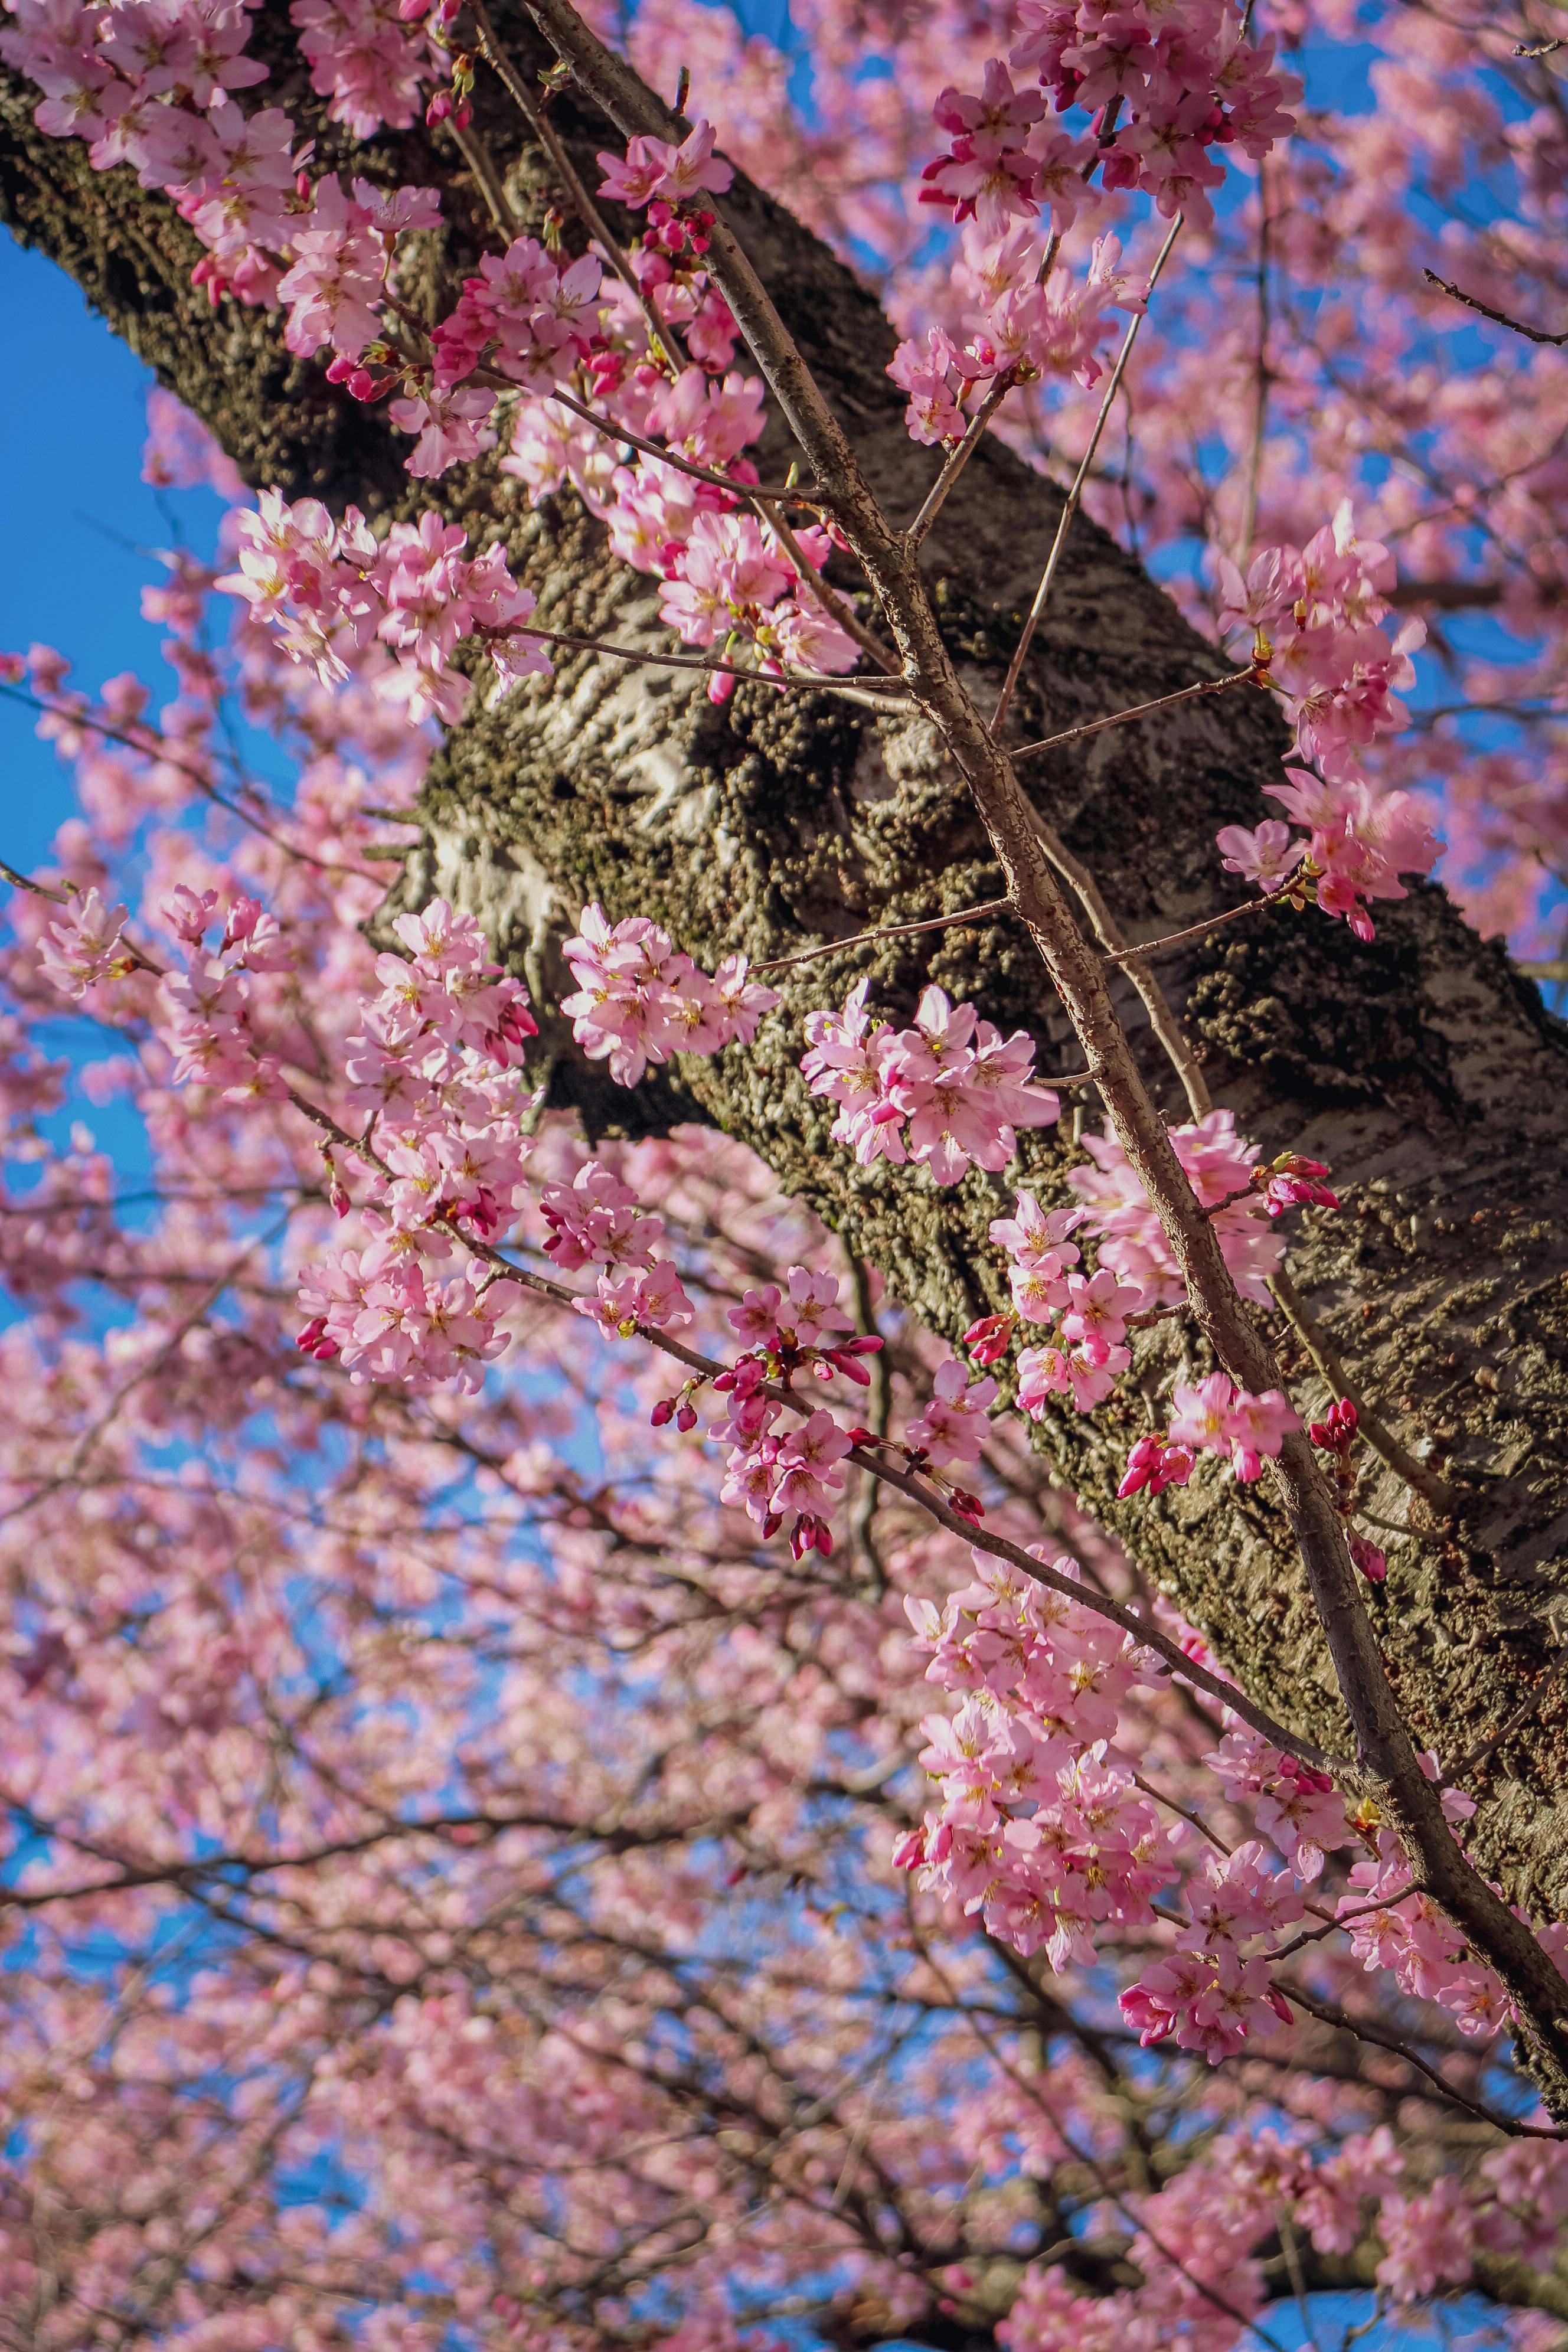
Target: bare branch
(1140, 710)
(1498, 317)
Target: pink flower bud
(988, 1339)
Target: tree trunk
(1423, 1069)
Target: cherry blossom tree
(795, 1577)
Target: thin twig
(1498, 317)
(936, 497)
(25, 882)
(1164, 1020)
(1263, 379)
(1329, 2014)
(153, 750)
(491, 187)
(615, 431)
(1527, 1706)
(1043, 591)
(888, 931)
(832, 602)
(660, 336)
(1192, 932)
(817, 680)
(1298, 2282)
(1444, 1498)
(1137, 710)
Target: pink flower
(82, 948)
(1098, 1307)
(333, 291)
(955, 1425)
(1267, 857)
(655, 167)
(1086, 1373)
(1214, 1416)
(805, 1466)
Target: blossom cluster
(149, 84)
(530, 317)
(153, 86)
(1024, 324)
(1090, 1352)
(1135, 1281)
(1223, 1171)
(1313, 617)
(728, 577)
(639, 999)
(947, 1093)
(1211, 1416)
(1037, 1830)
(1168, 86)
(204, 1016)
(595, 1221)
(434, 1078)
(1215, 1990)
(342, 601)
(1043, 1831)
(84, 947)
(795, 1473)
(658, 172)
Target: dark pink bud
(988, 1339)
(439, 108)
(686, 1414)
(663, 1411)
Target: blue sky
(75, 513)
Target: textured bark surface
(1423, 1069)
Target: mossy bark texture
(1423, 1069)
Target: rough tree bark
(1423, 1069)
